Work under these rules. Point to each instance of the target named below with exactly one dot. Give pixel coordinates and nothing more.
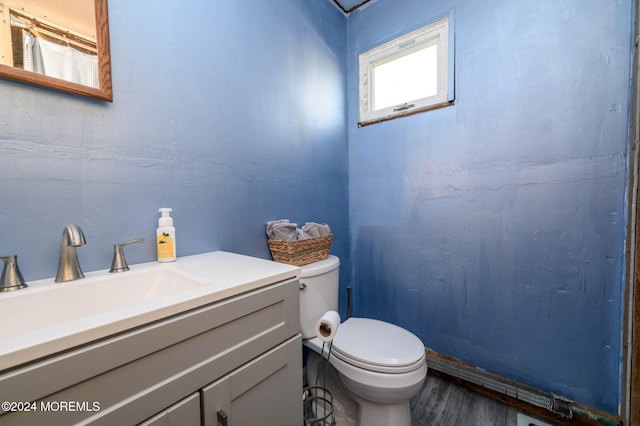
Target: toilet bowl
(380, 366)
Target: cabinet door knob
(222, 418)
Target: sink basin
(48, 317)
(60, 303)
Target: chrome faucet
(119, 262)
(68, 265)
(11, 278)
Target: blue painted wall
(494, 229)
(232, 113)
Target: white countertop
(218, 275)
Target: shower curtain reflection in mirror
(54, 51)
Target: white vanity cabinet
(241, 355)
(182, 413)
(258, 393)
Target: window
(407, 75)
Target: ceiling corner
(348, 6)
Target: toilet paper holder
(318, 406)
(327, 326)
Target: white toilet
(380, 365)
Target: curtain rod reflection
(65, 35)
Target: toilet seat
(378, 346)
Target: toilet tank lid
(320, 267)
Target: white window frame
(435, 33)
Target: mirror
(60, 44)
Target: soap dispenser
(166, 236)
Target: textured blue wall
(494, 229)
(232, 113)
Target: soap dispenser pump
(166, 236)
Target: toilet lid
(377, 344)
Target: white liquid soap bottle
(166, 236)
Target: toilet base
(350, 409)
(371, 414)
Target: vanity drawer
(136, 374)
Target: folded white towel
(282, 230)
(285, 231)
(324, 229)
(312, 230)
(270, 226)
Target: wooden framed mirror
(34, 33)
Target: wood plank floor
(444, 403)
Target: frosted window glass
(413, 76)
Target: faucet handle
(119, 263)
(11, 278)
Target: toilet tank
(318, 293)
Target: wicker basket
(301, 252)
